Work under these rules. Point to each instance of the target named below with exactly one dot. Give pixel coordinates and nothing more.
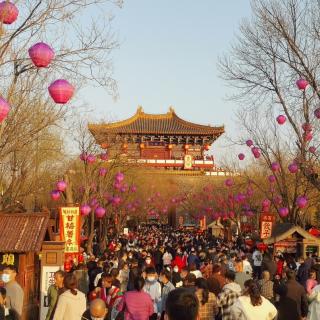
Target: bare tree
(279, 45)
(83, 45)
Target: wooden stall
(288, 238)
(21, 239)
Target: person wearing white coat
(314, 307)
(253, 306)
(72, 303)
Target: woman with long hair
(207, 300)
(72, 303)
(252, 306)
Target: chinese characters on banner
(266, 224)
(70, 228)
(203, 223)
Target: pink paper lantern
(102, 172)
(55, 195)
(41, 54)
(100, 212)
(83, 156)
(229, 182)
(307, 127)
(293, 168)
(302, 84)
(85, 209)
(275, 166)
(119, 177)
(133, 189)
(104, 156)
(317, 113)
(283, 212)
(8, 12)
(312, 149)
(272, 179)
(281, 119)
(256, 152)
(249, 143)
(241, 156)
(91, 158)
(61, 186)
(4, 109)
(302, 202)
(61, 91)
(307, 136)
(116, 200)
(266, 203)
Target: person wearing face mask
(176, 278)
(97, 311)
(15, 293)
(180, 260)
(167, 287)
(153, 288)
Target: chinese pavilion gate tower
(159, 141)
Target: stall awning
(22, 232)
(284, 230)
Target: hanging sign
(47, 279)
(9, 259)
(266, 224)
(70, 228)
(188, 162)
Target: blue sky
(168, 56)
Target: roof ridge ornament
(171, 110)
(140, 109)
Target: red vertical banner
(266, 224)
(70, 229)
(203, 223)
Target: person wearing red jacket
(180, 260)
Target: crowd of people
(159, 273)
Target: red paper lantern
(302, 84)
(206, 147)
(281, 119)
(104, 156)
(241, 156)
(41, 54)
(306, 127)
(4, 109)
(186, 146)
(61, 91)
(307, 136)
(8, 12)
(104, 145)
(229, 182)
(141, 145)
(102, 172)
(170, 146)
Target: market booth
(21, 239)
(288, 238)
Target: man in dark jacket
(303, 274)
(194, 259)
(287, 308)
(297, 293)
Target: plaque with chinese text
(70, 228)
